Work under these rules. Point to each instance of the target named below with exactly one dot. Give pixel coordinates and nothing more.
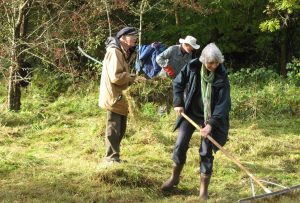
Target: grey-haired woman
(208, 103)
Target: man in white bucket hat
(173, 59)
(191, 41)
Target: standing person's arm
(117, 72)
(163, 61)
(179, 84)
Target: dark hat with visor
(127, 31)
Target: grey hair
(211, 53)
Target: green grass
(49, 152)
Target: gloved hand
(169, 70)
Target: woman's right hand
(178, 110)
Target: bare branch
(107, 14)
(42, 58)
(156, 4)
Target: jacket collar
(195, 65)
(179, 52)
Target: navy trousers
(186, 131)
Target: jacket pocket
(116, 99)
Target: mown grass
(49, 152)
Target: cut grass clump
(120, 176)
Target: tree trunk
(19, 32)
(283, 52)
(14, 90)
(177, 14)
(142, 10)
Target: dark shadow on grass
(180, 191)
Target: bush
(51, 84)
(253, 77)
(293, 73)
(265, 94)
(157, 91)
(256, 94)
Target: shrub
(157, 91)
(293, 73)
(265, 94)
(256, 94)
(50, 84)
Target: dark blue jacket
(189, 79)
(147, 56)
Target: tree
(31, 36)
(17, 18)
(283, 17)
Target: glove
(169, 70)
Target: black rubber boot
(174, 180)
(204, 182)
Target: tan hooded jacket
(115, 78)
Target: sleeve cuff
(213, 122)
(178, 104)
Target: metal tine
(252, 187)
(271, 183)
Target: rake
(268, 192)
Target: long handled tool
(88, 56)
(228, 155)
(290, 191)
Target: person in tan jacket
(116, 78)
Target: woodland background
(44, 35)
(52, 132)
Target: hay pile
(157, 91)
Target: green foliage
(149, 109)
(263, 94)
(50, 84)
(280, 13)
(294, 71)
(257, 93)
(270, 25)
(158, 91)
(84, 23)
(257, 77)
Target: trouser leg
(123, 127)
(182, 143)
(115, 130)
(207, 158)
(206, 166)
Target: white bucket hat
(191, 41)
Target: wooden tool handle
(228, 155)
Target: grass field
(49, 152)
